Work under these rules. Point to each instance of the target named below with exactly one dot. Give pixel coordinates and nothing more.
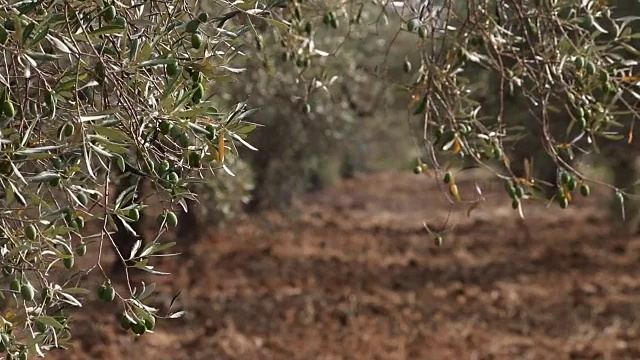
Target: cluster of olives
(192, 28)
(567, 184)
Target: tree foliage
(96, 95)
(331, 100)
(570, 66)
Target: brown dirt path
(352, 274)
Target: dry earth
(352, 274)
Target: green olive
(81, 249)
(120, 21)
(172, 219)
(9, 25)
(82, 198)
(194, 159)
(172, 69)
(30, 232)
(196, 41)
(584, 190)
(165, 127)
(79, 220)
(150, 322)
(134, 214)
(203, 17)
(138, 329)
(564, 202)
(15, 285)
(124, 322)
(438, 240)
(106, 293)
(515, 204)
(68, 129)
(173, 177)
(447, 177)
(604, 76)
(211, 132)
(27, 292)
(109, 13)
(518, 191)
(8, 109)
(54, 182)
(582, 122)
(164, 166)
(198, 94)
(192, 26)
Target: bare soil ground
(351, 273)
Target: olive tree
(327, 73)
(560, 80)
(97, 99)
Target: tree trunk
(123, 239)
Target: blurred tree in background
(319, 97)
(121, 120)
